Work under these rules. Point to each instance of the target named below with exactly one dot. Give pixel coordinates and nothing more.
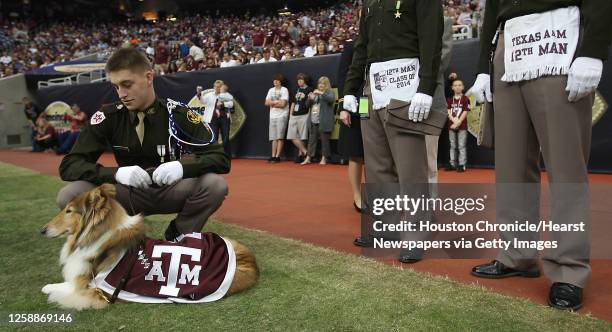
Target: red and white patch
(97, 118)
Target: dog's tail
(247, 272)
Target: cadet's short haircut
(128, 58)
(218, 82)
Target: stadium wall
(14, 128)
(249, 85)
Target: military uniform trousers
(394, 156)
(194, 199)
(533, 116)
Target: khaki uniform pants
(194, 199)
(530, 117)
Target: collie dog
(107, 255)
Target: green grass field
(301, 287)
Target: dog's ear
(108, 190)
(98, 202)
(96, 199)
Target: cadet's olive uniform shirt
(595, 22)
(417, 33)
(117, 131)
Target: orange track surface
(313, 204)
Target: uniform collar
(149, 111)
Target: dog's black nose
(43, 231)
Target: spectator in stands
(287, 53)
(278, 101)
(45, 135)
(298, 120)
(184, 48)
(259, 39)
(228, 61)
(256, 58)
(311, 50)
(267, 57)
(31, 112)
(321, 48)
(294, 32)
(195, 52)
(77, 120)
(161, 57)
(458, 108)
(321, 120)
(333, 46)
(296, 53)
(6, 59)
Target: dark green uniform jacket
(117, 131)
(416, 32)
(595, 22)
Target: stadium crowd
(196, 42)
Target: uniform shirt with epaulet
(113, 127)
(595, 16)
(396, 29)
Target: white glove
(350, 103)
(482, 89)
(133, 176)
(583, 79)
(168, 173)
(419, 107)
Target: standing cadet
(398, 54)
(546, 67)
(152, 177)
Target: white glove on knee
(482, 89)
(168, 173)
(419, 107)
(583, 79)
(350, 103)
(133, 176)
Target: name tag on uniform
(364, 108)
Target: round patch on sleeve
(97, 118)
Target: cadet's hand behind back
(133, 176)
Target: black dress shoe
(172, 232)
(364, 241)
(411, 256)
(565, 296)
(299, 159)
(451, 168)
(270, 160)
(497, 270)
(461, 169)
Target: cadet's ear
(149, 74)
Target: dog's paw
(52, 288)
(47, 289)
